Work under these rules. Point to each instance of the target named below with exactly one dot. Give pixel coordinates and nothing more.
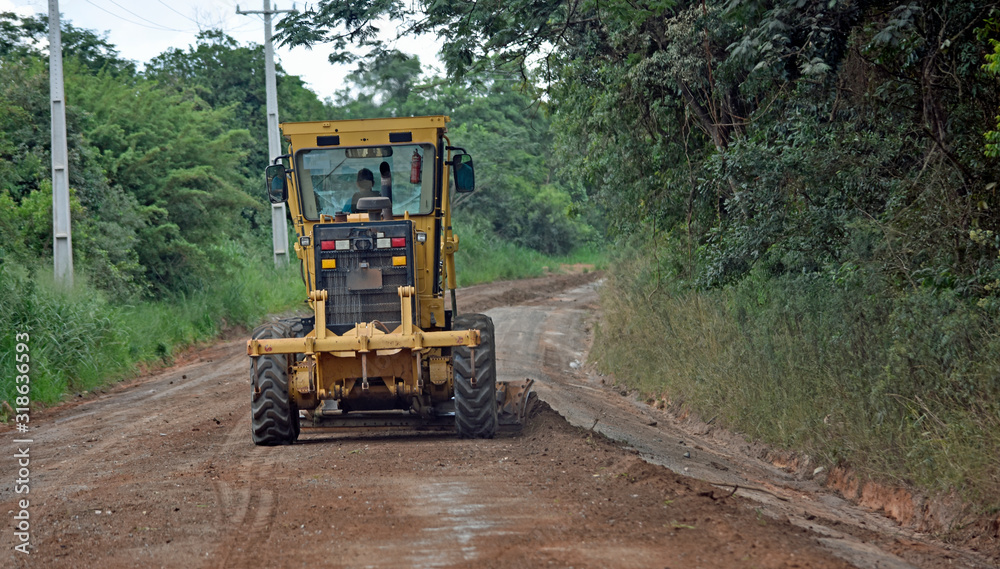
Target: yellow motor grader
(371, 204)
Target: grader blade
(512, 402)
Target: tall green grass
(903, 387)
(79, 340)
(484, 257)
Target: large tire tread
(475, 407)
(299, 327)
(274, 418)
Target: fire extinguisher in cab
(415, 165)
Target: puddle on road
(455, 521)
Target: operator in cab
(365, 182)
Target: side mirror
(465, 174)
(276, 183)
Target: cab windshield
(331, 180)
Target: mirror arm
(450, 148)
(283, 156)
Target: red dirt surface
(162, 472)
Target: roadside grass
(485, 257)
(78, 340)
(902, 388)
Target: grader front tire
(274, 418)
(475, 374)
(298, 327)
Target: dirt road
(162, 473)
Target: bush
(79, 340)
(899, 385)
(484, 256)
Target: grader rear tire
(298, 327)
(475, 405)
(274, 418)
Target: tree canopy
(164, 164)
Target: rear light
(338, 245)
(394, 242)
(329, 263)
(399, 261)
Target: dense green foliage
(520, 195)
(164, 165)
(813, 183)
(992, 67)
(224, 74)
(900, 388)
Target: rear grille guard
(349, 302)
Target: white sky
(143, 29)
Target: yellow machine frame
(338, 366)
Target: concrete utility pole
(279, 227)
(62, 243)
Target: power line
(141, 18)
(159, 28)
(242, 27)
(171, 8)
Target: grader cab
(370, 201)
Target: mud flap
(512, 403)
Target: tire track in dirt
(128, 417)
(88, 447)
(236, 548)
(77, 454)
(236, 504)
